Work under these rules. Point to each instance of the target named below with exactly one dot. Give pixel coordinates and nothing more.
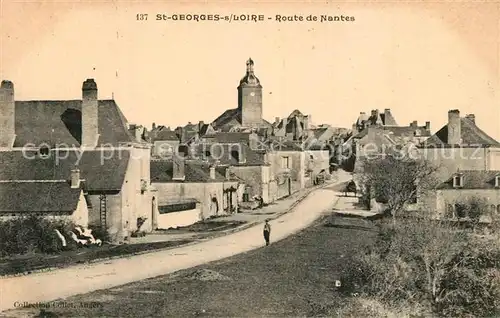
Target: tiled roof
(471, 135)
(103, 170)
(388, 119)
(282, 145)
(162, 133)
(59, 122)
(39, 197)
(473, 179)
(194, 170)
(227, 117)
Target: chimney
(153, 127)
(307, 120)
(7, 114)
(90, 132)
(414, 124)
(428, 125)
(276, 120)
(454, 127)
(285, 123)
(212, 172)
(375, 112)
(179, 164)
(471, 117)
(75, 178)
(138, 133)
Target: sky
(418, 59)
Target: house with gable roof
(43, 141)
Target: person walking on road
(267, 232)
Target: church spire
(249, 66)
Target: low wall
(178, 219)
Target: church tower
(250, 98)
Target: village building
(461, 145)
(189, 191)
(460, 148)
(455, 193)
(88, 135)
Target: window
(498, 209)
(450, 211)
(285, 162)
(235, 154)
(461, 211)
(207, 154)
(458, 181)
(44, 151)
(493, 209)
(497, 181)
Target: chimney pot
(471, 117)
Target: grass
(33, 262)
(292, 277)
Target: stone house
(458, 146)
(198, 189)
(465, 185)
(295, 127)
(461, 145)
(59, 200)
(247, 164)
(90, 135)
(165, 142)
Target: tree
(397, 182)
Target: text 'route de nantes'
(244, 17)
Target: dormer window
(44, 151)
(458, 181)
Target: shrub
(431, 264)
(32, 234)
(99, 232)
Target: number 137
(142, 16)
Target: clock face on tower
(252, 94)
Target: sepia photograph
(249, 159)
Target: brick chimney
(90, 118)
(471, 117)
(454, 127)
(7, 114)
(414, 124)
(153, 127)
(428, 125)
(75, 178)
(179, 163)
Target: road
(62, 283)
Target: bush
(100, 232)
(431, 264)
(32, 234)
